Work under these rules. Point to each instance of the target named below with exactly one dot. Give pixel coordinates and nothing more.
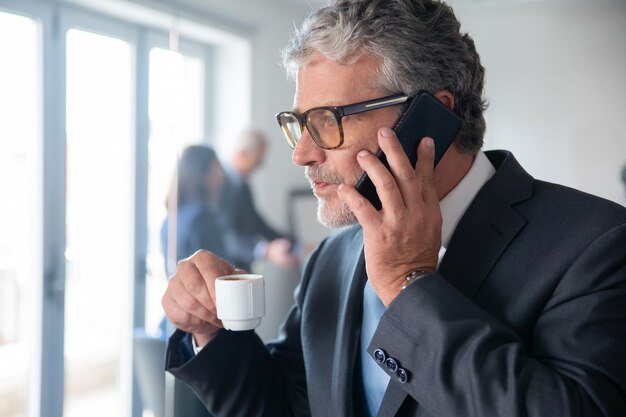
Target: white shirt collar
(456, 202)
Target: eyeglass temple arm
(374, 104)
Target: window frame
(46, 389)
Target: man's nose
(307, 152)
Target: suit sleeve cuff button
(391, 364)
(403, 375)
(380, 356)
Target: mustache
(318, 174)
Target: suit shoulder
(561, 200)
(560, 214)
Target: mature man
(257, 240)
(475, 291)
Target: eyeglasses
(324, 123)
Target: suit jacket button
(379, 355)
(402, 375)
(391, 364)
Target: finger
(399, 165)
(179, 318)
(188, 303)
(386, 185)
(210, 266)
(184, 320)
(425, 169)
(197, 315)
(363, 210)
(194, 283)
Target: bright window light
(176, 109)
(20, 208)
(100, 195)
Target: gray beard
(334, 220)
(342, 216)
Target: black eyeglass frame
(340, 112)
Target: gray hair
(419, 46)
(251, 139)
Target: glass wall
(99, 210)
(176, 110)
(20, 206)
(98, 109)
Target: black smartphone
(425, 116)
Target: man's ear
(446, 97)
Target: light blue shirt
(375, 380)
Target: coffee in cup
(240, 301)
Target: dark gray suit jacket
(526, 316)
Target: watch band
(414, 276)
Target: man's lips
(321, 185)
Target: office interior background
(98, 97)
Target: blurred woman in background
(191, 202)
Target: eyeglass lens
(291, 128)
(322, 125)
(324, 128)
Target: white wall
(556, 82)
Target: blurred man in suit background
(258, 239)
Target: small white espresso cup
(240, 301)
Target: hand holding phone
(425, 116)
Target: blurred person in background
(256, 239)
(196, 224)
(192, 200)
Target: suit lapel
(351, 313)
(488, 226)
(477, 244)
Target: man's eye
(330, 121)
(323, 119)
